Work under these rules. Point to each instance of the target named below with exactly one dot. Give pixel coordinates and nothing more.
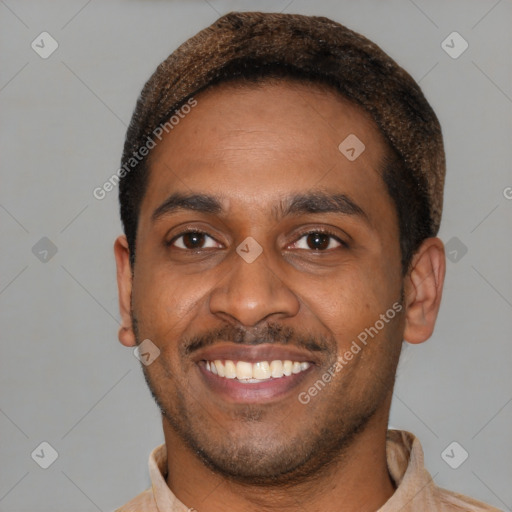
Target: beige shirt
(415, 489)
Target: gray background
(66, 380)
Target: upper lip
(253, 353)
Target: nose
(251, 293)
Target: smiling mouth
(250, 373)
(259, 374)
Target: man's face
(265, 161)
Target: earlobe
(424, 288)
(124, 285)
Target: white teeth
(255, 372)
(261, 370)
(220, 368)
(243, 370)
(276, 369)
(230, 369)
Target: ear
(423, 290)
(124, 285)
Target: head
(252, 233)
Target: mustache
(270, 333)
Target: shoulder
(145, 501)
(454, 502)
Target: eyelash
(322, 231)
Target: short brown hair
(252, 46)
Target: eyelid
(306, 231)
(190, 230)
(324, 231)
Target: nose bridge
(252, 290)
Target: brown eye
(318, 241)
(193, 240)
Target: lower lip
(235, 391)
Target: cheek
(161, 299)
(355, 298)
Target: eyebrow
(296, 204)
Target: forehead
(261, 141)
(289, 108)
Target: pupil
(318, 241)
(192, 240)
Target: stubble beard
(280, 461)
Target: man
(281, 191)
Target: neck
(357, 481)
